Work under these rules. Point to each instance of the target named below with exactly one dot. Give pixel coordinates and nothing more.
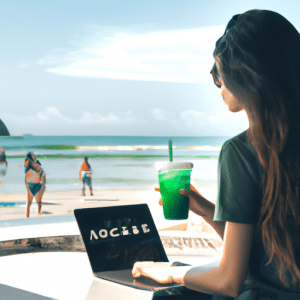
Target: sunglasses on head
(215, 74)
(214, 71)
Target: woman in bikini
(35, 182)
(257, 213)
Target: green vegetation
(56, 147)
(61, 156)
(10, 137)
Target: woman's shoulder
(241, 138)
(241, 144)
(239, 153)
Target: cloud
(52, 115)
(158, 114)
(95, 118)
(193, 118)
(194, 122)
(173, 56)
(51, 121)
(24, 65)
(198, 119)
(219, 116)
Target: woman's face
(33, 156)
(234, 105)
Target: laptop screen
(116, 237)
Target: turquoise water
(137, 171)
(108, 173)
(28, 140)
(112, 145)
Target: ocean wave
(147, 147)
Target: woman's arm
(231, 273)
(44, 178)
(27, 164)
(36, 167)
(226, 279)
(204, 208)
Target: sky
(117, 67)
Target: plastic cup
(172, 178)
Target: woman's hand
(160, 200)
(161, 272)
(202, 207)
(197, 202)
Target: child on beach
(257, 213)
(35, 182)
(3, 163)
(85, 174)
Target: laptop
(115, 237)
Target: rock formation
(3, 129)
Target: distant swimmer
(35, 182)
(3, 163)
(85, 174)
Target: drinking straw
(170, 151)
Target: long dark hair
(29, 155)
(86, 160)
(260, 64)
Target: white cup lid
(176, 166)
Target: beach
(190, 241)
(62, 202)
(124, 171)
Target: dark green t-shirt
(239, 197)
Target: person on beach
(257, 213)
(3, 163)
(85, 174)
(35, 182)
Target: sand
(64, 202)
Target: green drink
(172, 178)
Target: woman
(35, 182)
(257, 63)
(3, 163)
(85, 174)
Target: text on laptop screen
(116, 237)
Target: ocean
(118, 162)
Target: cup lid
(176, 166)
